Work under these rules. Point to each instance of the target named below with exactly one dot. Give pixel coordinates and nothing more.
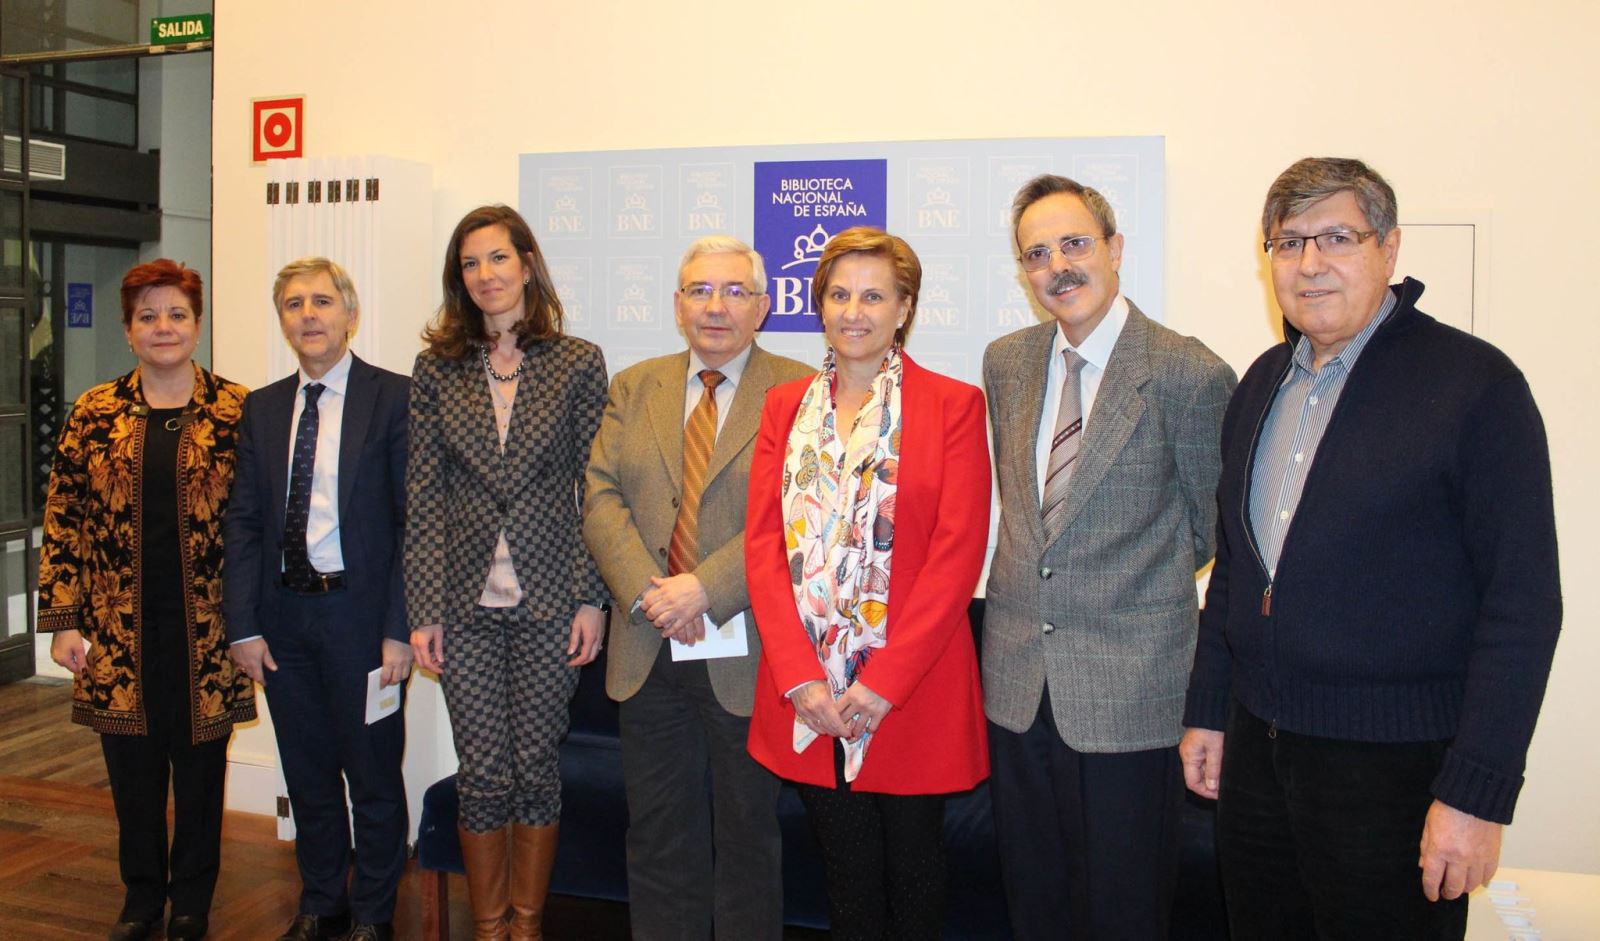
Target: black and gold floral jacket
(89, 562)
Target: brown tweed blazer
(461, 491)
(634, 482)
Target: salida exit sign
(195, 27)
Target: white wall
(1474, 107)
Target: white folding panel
(374, 216)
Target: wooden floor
(58, 852)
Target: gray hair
(312, 265)
(726, 245)
(1048, 184)
(1313, 179)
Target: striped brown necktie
(1063, 447)
(698, 437)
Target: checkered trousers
(508, 687)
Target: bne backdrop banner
(613, 226)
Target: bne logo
(571, 305)
(564, 218)
(635, 215)
(1013, 312)
(791, 294)
(707, 214)
(634, 307)
(938, 211)
(707, 221)
(937, 308)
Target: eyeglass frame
(1053, 250)
(720, 291)
(1360, 237)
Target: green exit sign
(165, 30)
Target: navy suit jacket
(372, 509)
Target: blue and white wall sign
(80, 304)
(799, 205)
(614, 224)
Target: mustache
(1070, 278)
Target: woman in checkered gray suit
(503, 597)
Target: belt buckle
(317, 583)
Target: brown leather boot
(488, 881)
(533, 856)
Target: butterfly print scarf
(839, 503)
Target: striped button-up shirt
(1293, 431)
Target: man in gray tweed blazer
(684, 721)
(1106, 438)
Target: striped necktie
(1063, 447)
(698, 437)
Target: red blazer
(934, 740)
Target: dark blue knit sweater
(1417, 597)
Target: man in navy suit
(314, 598)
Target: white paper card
(726, 641)
(804, 735)
(381, 700)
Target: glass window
(119, 75)
(11, 356)
(115, 122)
(13, 469)
(15, 594)
(11, 239)
(11, 104)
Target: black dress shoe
(316, 928)
(383, 932)
(187, 927)
(136, 930)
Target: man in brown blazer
(664, 520)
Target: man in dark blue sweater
(1385, 603)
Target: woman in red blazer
(862, 548)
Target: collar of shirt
(335, 379)
(1346, 358)
(732, 370)
(1096, 352)
(1096, 347)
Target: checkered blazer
(462, 492)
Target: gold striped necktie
(698, 437)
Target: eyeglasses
(1337, 244)
(1072, 248)
(734, 295)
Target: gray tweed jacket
(634, 482)
(461, 491)
(1107, 613)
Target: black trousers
(883, 859)
(318, 696)
(1318, 837)
(1088, 841)
(705, 856)
(140, 768)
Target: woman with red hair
(130, 583)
